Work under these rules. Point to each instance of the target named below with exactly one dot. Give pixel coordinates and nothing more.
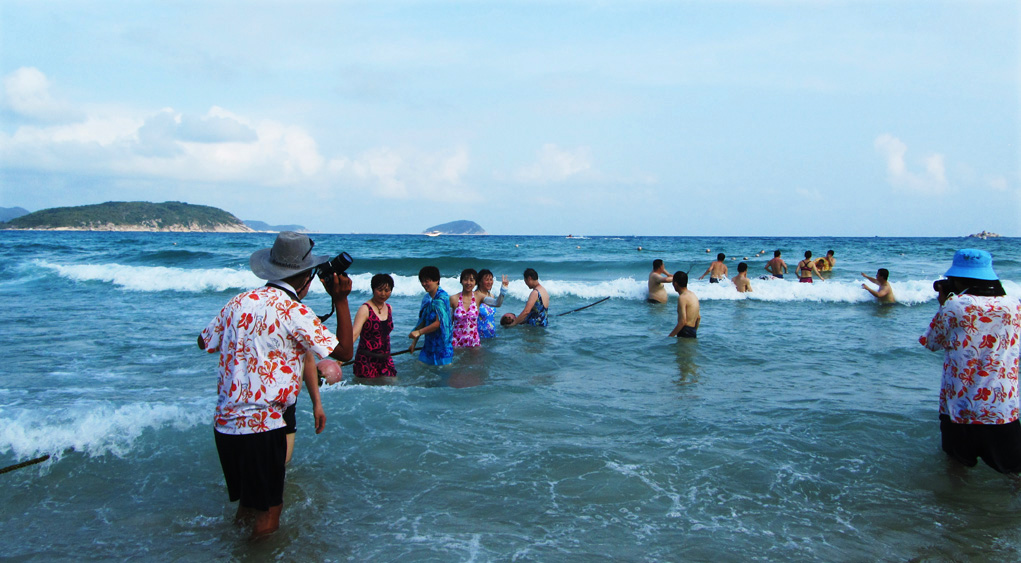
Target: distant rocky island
(984, 235)
(8, 213)
(170, 216)
(456, 228)
(267, 228)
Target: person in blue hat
(978, 327)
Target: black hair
(883, 273)
(483, 273)
(981, 288)
(379, 280)
(721, 256)
(776, 254)
(656, 264)
(742, 267)
(830, 252)
(469, 272)
(681, 278)
(808, 254)
(431, 273)
(530, 273)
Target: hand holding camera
(334, 278)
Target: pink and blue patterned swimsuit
(466, 328)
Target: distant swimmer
(776, 267)
(741, 281)
(657, 292)
(688, 317)
(807, 268)
(885, 292)
(717, 271)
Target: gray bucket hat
(291, 254)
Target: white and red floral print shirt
(980, 367)
(262, 336)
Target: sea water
(801, 425)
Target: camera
(337, 265)
(943, 286)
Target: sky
(632, 117)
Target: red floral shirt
(980, 367)
(262, 336)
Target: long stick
(585, 307)
(24, 464)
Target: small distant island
(170, 216)
(456, 228)
(984, 235)
(267, 228)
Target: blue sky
(723, 118)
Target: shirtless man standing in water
(885, 292)
(688, 317)
(717, 270)
(776, 267)
(741, 281)
(657, 293)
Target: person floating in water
(536, 310)
(885, 292)
(826, 263)
(688, 317)
(717, 271)
(741, 281)
(776, 267)
(657, 293)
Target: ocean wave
(160, 278)
(95, 431)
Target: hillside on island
(171, 216)
(456, 228)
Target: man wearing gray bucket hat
(262, 337)
(978, 327)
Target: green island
(170, 216)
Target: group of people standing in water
(462, 320)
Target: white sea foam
(96, 430)
(155, 278)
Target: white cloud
(932, 180)
(408, 174)
(27, 93)
(998, 183)
(554, 164)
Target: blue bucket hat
(972, 263)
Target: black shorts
(253, 467)
(999, 445)
(688, 332)
(290, 420)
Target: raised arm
(339, 287)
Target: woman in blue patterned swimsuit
(487, 316)
(536, 310)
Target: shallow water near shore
(800, 426)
